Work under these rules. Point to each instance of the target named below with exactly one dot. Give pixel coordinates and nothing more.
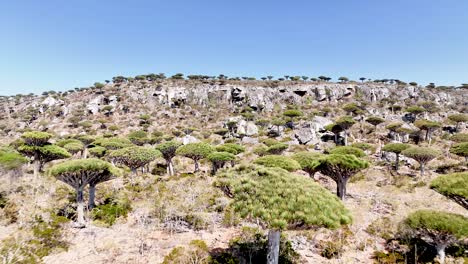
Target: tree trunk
(457, 127)
(196, 166)
(421, 169)
(441, 252)
(346, 137)
(214, 168)
(85, 153)
(80, 206)
(397, 161)
(92, 192)
(170, 167)
(336, 138)
(37, 166)
(341, 188)
(273, 246)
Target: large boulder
(94, 104)
(247, 128)
(306, 134)
(189, 139)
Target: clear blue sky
(59, 45)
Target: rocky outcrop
(310, 133)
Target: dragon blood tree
(454, 186)
(308, 161)
(134, 157)
(168, 150)
(279, 200)
(341, 167)
(219, 159)
(422, 155)
(396, 148)
(439, 229)
(81, 172)
(195, 151)
(36, 146)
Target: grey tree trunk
(85, 153)
(341, 189)
(170, 167)
(421, 169)
(346, 137)
(197, 168)
(92, 192)
(397, 161)
(441, 253)
(273, 246)
(80, 206)
(37, 167)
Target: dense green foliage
(457, 118)
(10, 159)
(277, 149)
(460, 149)
(375, 120)
(280, 199)
(421, 154)
(460, 137)
(452, 185)
(97, 151)
(168, 149)
(83, 166)
(416, 110)
(74, 147)
(231, 148)
(438, 223)
(45, 153)
(279, 161)
(348, 150)
(396, 148)
(138, 137)
(341, 162)
(221, 156)
(110, 211)
(345, 122)
(36, 138)
(291, 113)
(134, 157)
(113, 143)
(195, 151)
(308, 161)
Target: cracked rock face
(310, 133)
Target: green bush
(113, 143)
(11, 160)
(460, 149)
(97, 151)
(283, 162)
(111, 210)
(348, 150)
(460, 137)
(138, 137)
(231, 148)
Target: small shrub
(110, 211)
